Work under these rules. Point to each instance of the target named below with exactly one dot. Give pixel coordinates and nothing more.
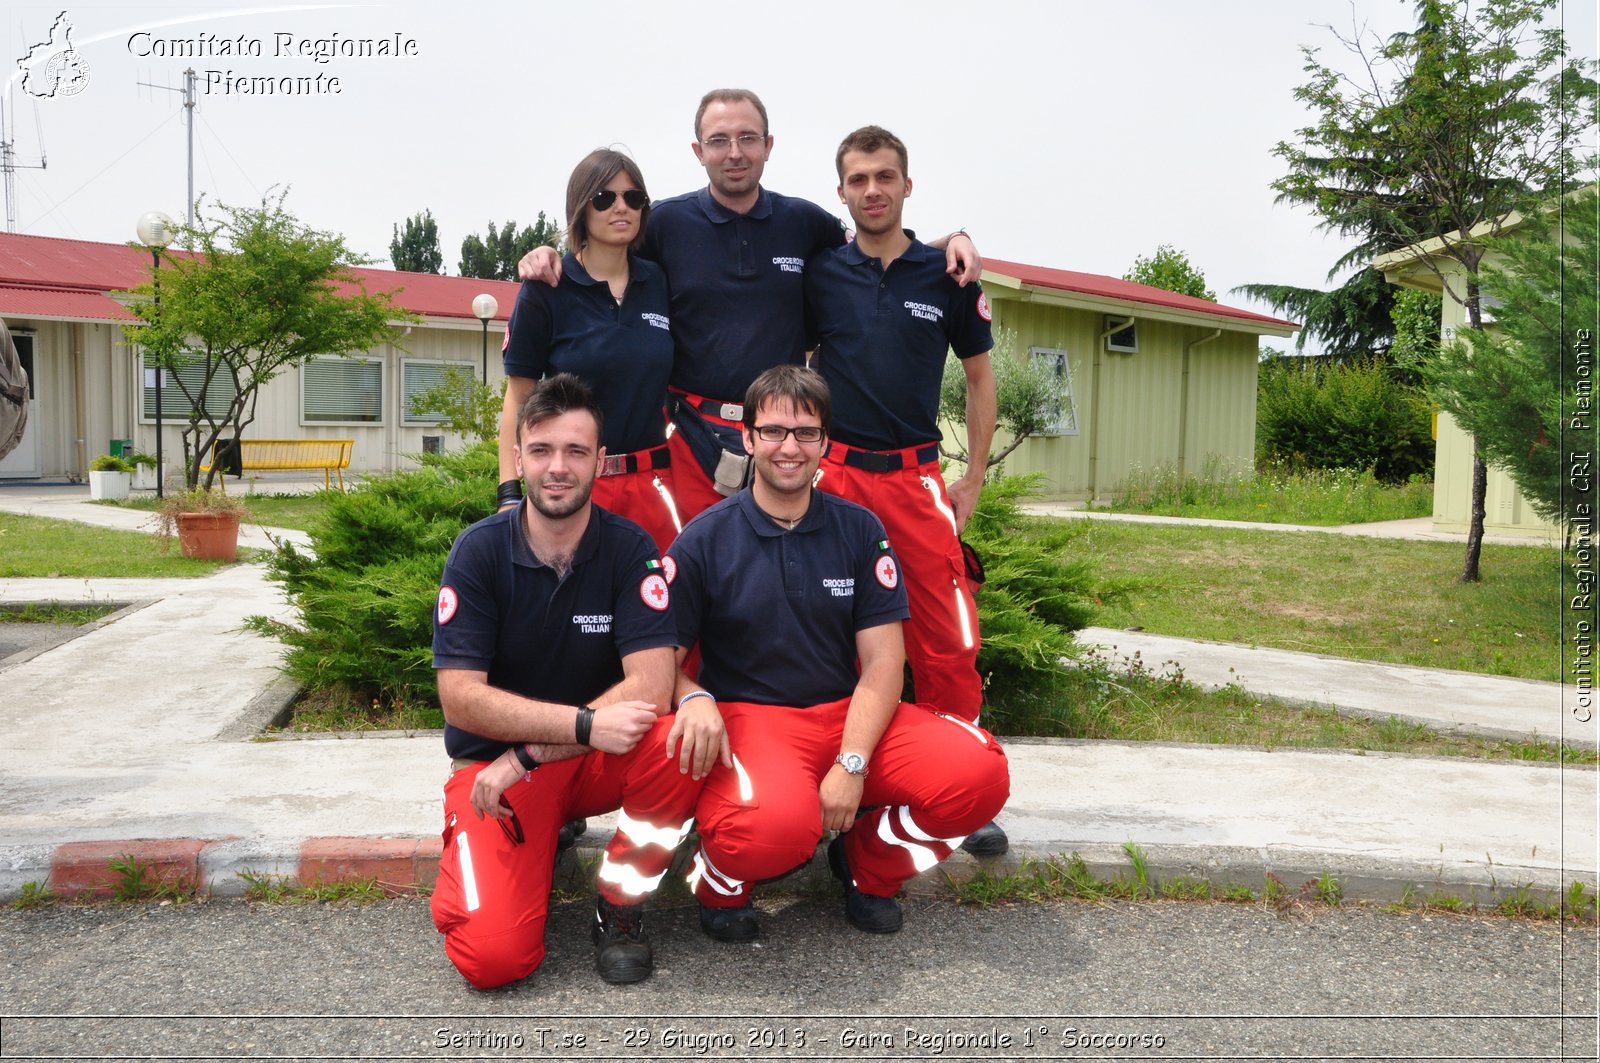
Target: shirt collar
(917, 252)
(766, 527)
(718, 213)
(522, 553)
(638, 269)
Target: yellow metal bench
(332, 456)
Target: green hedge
(1311, 415)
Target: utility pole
(188, 94)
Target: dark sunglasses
(635, 198)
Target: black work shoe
(731, 924)
(875, 915)
(988, 840)
(622, 951)
(571, 831)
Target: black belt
(890, 461)
(618, 464)
(728, 411)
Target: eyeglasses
(776, 433)
(635, 198)
(747, 142)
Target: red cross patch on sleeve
(886, 571)
(653, 592)
(447, 604)
(983, 307)
(670, 567)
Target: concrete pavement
(141, 737)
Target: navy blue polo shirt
(624, 353)
(738, 300)
(777, 612)
(882, 339)
(502, 611)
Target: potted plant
(145, 474)
(206, 523)
(109, 478)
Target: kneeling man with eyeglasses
(796, 600)
(554, 642)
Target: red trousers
(646, 497)
(691, 486)
(942, 634)
(932, 780)
(493, 892)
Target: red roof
(51, 277)
(1124, 291)
(70, 303)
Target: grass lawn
(272, 511)
(1136, 702)
(39, 546)
(1369, 599)
(1274, 495)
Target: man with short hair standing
(735, 256)
(554, 647)
(795, 600)
(885, 313)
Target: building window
(1060, 410)
(1124, 340)
(180, 389)
(417, 377)
(341, 390)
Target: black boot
(622, 951)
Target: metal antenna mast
(8, 157)
(188, 106)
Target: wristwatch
(852, 763)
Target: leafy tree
(495, 255)
(468, 405)
(1351, 323)
(416, 250)
(1029, 396)
(1170, 270)
(1443, 133)
(1416, 315)
(260, 294)
(1512, 384)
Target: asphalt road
(233, 980)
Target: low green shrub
(1036, 596)
(1336, 416)
(366, 594)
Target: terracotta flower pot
(209, 536)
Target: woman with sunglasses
(606, 323)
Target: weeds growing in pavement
(33, 895)
(280, 889)
(138, 881)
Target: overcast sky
(1063, 134)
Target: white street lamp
(155, 231)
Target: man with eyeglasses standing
(735, 256)
(553, 642)
(795, 600)
(885, 315)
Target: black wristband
(520, 751)
(583, 725)
(509, 493)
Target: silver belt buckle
(731, 411)
(614, 465)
